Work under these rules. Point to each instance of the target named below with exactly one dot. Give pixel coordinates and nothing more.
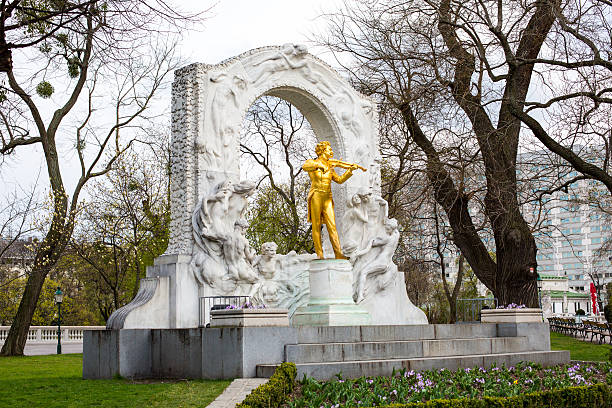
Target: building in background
(558, 299)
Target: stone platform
(320, 352)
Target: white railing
(48, 334)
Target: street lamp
(59, 297)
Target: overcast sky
(232, 27)
(236, 26)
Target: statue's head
(356, 200)
(390, 225)
(241, 225)
(287, 48)
(300, 49)
(324, 147)
(224, 188)
(269, 248)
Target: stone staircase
(377, 350)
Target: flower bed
(410, 386)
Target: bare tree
(112, 64)
(277, 141)
(456, 73)
(16, 217)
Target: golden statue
(320, 202)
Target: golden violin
(344, 165)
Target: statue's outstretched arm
(341, 179)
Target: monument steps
(399, 349)
(385, 367)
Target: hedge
(592, 396)
(273, 393)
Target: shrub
(593, 396)
(274, 392)
(580, 312)
(608, 313)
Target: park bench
(599, 331)
(567, 325)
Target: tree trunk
(453, 311)
(47, 255)
(18, 333)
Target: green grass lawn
(579, 350)
(56, 381)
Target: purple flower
(369, 381)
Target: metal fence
(468, 310)
(208, 302)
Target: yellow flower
(516, 381)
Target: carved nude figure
(346, 110)
(224, 113)
(355, 224)
(290, 56)
(375, 262)
(239, 254)
(267, 263)
(222, 255)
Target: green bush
(274, 392)
(580, 312)
(593, 396)
(608, 313)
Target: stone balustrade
(48, 334)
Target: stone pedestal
(331, 297)
(525, 315)
(166, 298)
(249, 318)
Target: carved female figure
(355, 224)
(375, 262)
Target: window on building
(577, 242)
(595, 228)
(595, 240)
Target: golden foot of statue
(341, 257)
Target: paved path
(41, 349)
(236, 392)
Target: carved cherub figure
(267, 263)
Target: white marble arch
(209, 103)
